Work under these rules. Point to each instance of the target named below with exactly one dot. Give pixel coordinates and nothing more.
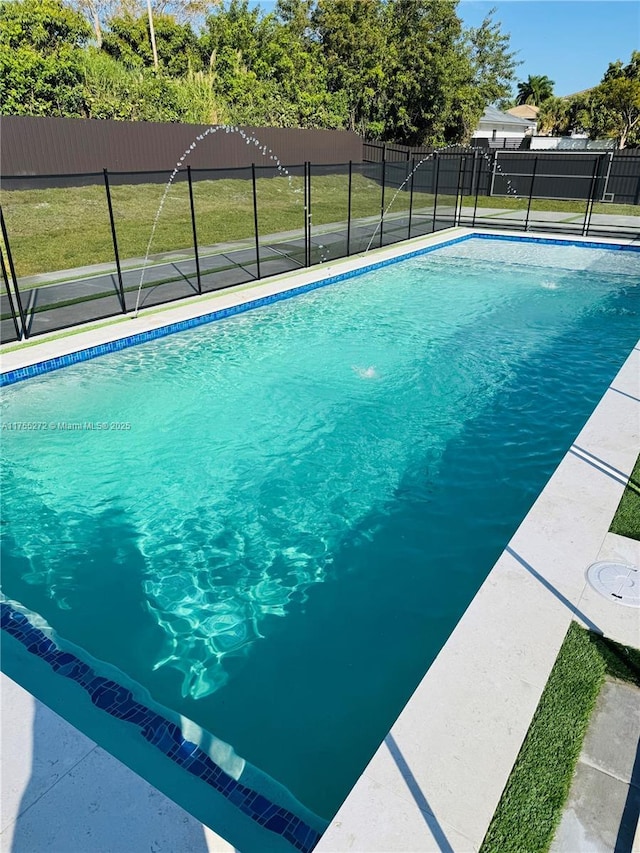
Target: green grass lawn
(62, 228)
(531, 805)
(626, 521)
(554, 205)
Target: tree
(429, 96)
(557, 117)
(128, 41)
(614, 105)
(352, 37)
(492, 61)
(41, 66)
(615, 109)
(233, 46)
(535, 90)
(268, 69)
(99, 12)
(295, 15)
(113, 91)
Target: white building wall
(485, 130)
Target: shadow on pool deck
(417, 794)
(79, 799)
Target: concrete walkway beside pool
(601, 813)
(436, 780)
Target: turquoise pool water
(274, 522)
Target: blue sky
(571, 41)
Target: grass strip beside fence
(531, 805)
(626, 521)
(551, 205)
(65, 227)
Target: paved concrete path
(601, 814)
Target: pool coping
(398, 803)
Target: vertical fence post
(457, 214)
(533, 178)
(193, 225)
(475, 204)
(413, 174)
(306, 215)
(384, 177)
(493, 172)
(114, 239)
(592, 193)
(12, 270)
(605, 185)
(9, 297)
(474, 169)
(255, 217)
(436, 181)
(349, 209)
(309, 209)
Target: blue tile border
(42, 367)
(164, 735)
(558, 241)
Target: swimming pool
(286, 513)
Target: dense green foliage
(41, 56)
(531, 805)
(402, 70)
(611, 109)
(127, 40)
(395, 70)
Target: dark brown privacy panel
(54, 146)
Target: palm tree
(535, 90)
(554, 117)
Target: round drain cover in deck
(618, 582)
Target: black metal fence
(82, 252)
(561, 174)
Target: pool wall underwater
(291, 821)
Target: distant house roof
(496, 116)
(526, 111)
(577, 94)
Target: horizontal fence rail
(85, 247)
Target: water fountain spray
(510, 189)
(210, 131)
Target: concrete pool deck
(436, 780)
